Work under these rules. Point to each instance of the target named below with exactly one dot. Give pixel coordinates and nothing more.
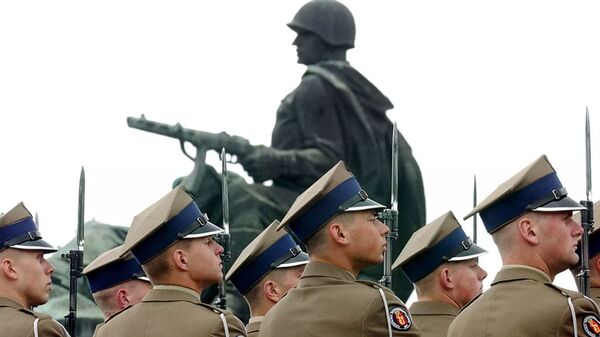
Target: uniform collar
(254, 324)
(595, 292)
(169, 292)
(433, 308)
(255, 319)
(520, 272)
(9, 302)
(322, 269)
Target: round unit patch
(591, 326)
(400, 319)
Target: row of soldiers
(151, 284)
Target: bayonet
(224, 237)
(474, 205)
(80, 211)
(75, 257)
(390, 215)
(587, 215)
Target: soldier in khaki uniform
(265, 271)
(116, 282)
(25, 277)
(530, 219)
(594, 255)
(339, 225)
(173, 240)
(442, 262)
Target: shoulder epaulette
(213, 308)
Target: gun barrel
(201, 139)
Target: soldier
(265, 271)
(530, 219)
(594, 250)
(339, 225)
(116, 282)
(173, 240)
(442, 262)
(25, 277)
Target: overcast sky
(479, 87)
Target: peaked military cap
(174, 217)
(534, 188)
(271, 249)
(18, 230)
(112, 268)
(594, 236)
(442, 240)
(337, 191)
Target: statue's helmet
(328, 19)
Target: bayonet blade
(224, 191)
(394, 180)
(80, 211)
(588, 157)
(474, 205)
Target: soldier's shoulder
(33, 315)
(370, 287)
(577, 298)
(47, 326)
(215, 313)
(311, 83)
(378, 295)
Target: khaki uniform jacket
(433, 317)
(99, 326)
(522, 302)
(328, 301)
(171, 312)
(595, 295)
(253, 326)
(16, 320)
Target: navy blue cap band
(519, 202)
(426, 262)
(20, 228)
(316, 215)
(247, 276)
(179, 225)
(113, 274)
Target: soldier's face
(33, 274)
(205, 261)
(559, 235)
(368, 239)
(467, 277)
(309, 47)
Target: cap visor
(36, 245)
(471, 253)
(207, 230)
(143, 278)
(364, 205)
(297, 260)
(562, 205)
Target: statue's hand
(264, 163)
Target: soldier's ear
(445, 278)
(122, 299)
(7, 268)
(338, 233)
(528, 229)
(596, 263)
(179, 259)
(271, 291)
